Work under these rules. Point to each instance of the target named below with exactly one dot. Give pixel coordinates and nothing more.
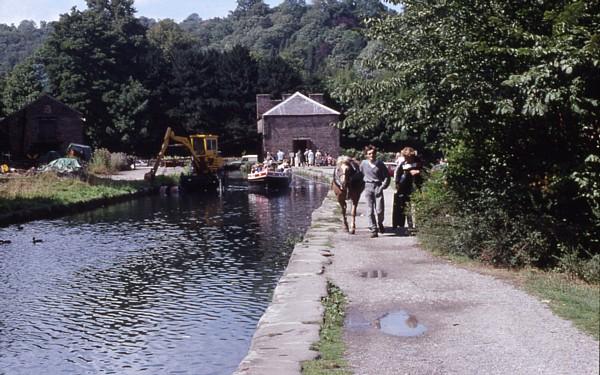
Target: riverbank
(464, 320)
(47, 195)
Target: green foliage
(25, 83)
(582, 266)
(509, 91)
(578, 302)
(2, 86)
(47, 190)
(438, 217)
(131, 78)
(276, 77)
(20, 42)
(315, 39)
(481, 230)
(169, 37)
(96, 62)
(588, 180)
(100, 162)
(330, 345)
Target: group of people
(302, 158)
(406, 176)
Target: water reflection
(158, 285)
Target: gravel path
(475, 324)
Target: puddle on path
(400, 323)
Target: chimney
(263, 104)
(317, 98)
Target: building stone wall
(264, 103)
(280, 132)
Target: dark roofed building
(41, 126)
(297, 123)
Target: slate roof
(40, 98)
(300, 105)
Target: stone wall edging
(291, 323)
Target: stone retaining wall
(292, 322)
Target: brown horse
(347, 184)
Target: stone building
(41, 126)
(297, 123)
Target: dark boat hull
(271, 181)
(207, 182)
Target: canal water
(159, 285)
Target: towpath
(409, 312)
(470, 323)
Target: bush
(105, 162)
(118, 161)
(100, 162)
(574, 264)
(436, 215)
(482, 229)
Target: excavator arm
(198, 161)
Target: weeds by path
(330, 346)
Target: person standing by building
(318, 158)
(376, 179)
(311, 158)
(280, 156)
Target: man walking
(376, 179)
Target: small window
(212, 144)
(199, 146)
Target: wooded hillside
(131, 77)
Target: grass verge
(330, 346)
(569, 299)
(48, 190)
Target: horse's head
(343, 172)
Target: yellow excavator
(207, 164)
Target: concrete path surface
(464, 322)
(408, 312)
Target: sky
(14, 11)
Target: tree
(507, 89)
(20, 42)
(169, 37)
(95, 58)
(276, 77)
(24, 84)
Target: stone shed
(297, 122)
(44, 125)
